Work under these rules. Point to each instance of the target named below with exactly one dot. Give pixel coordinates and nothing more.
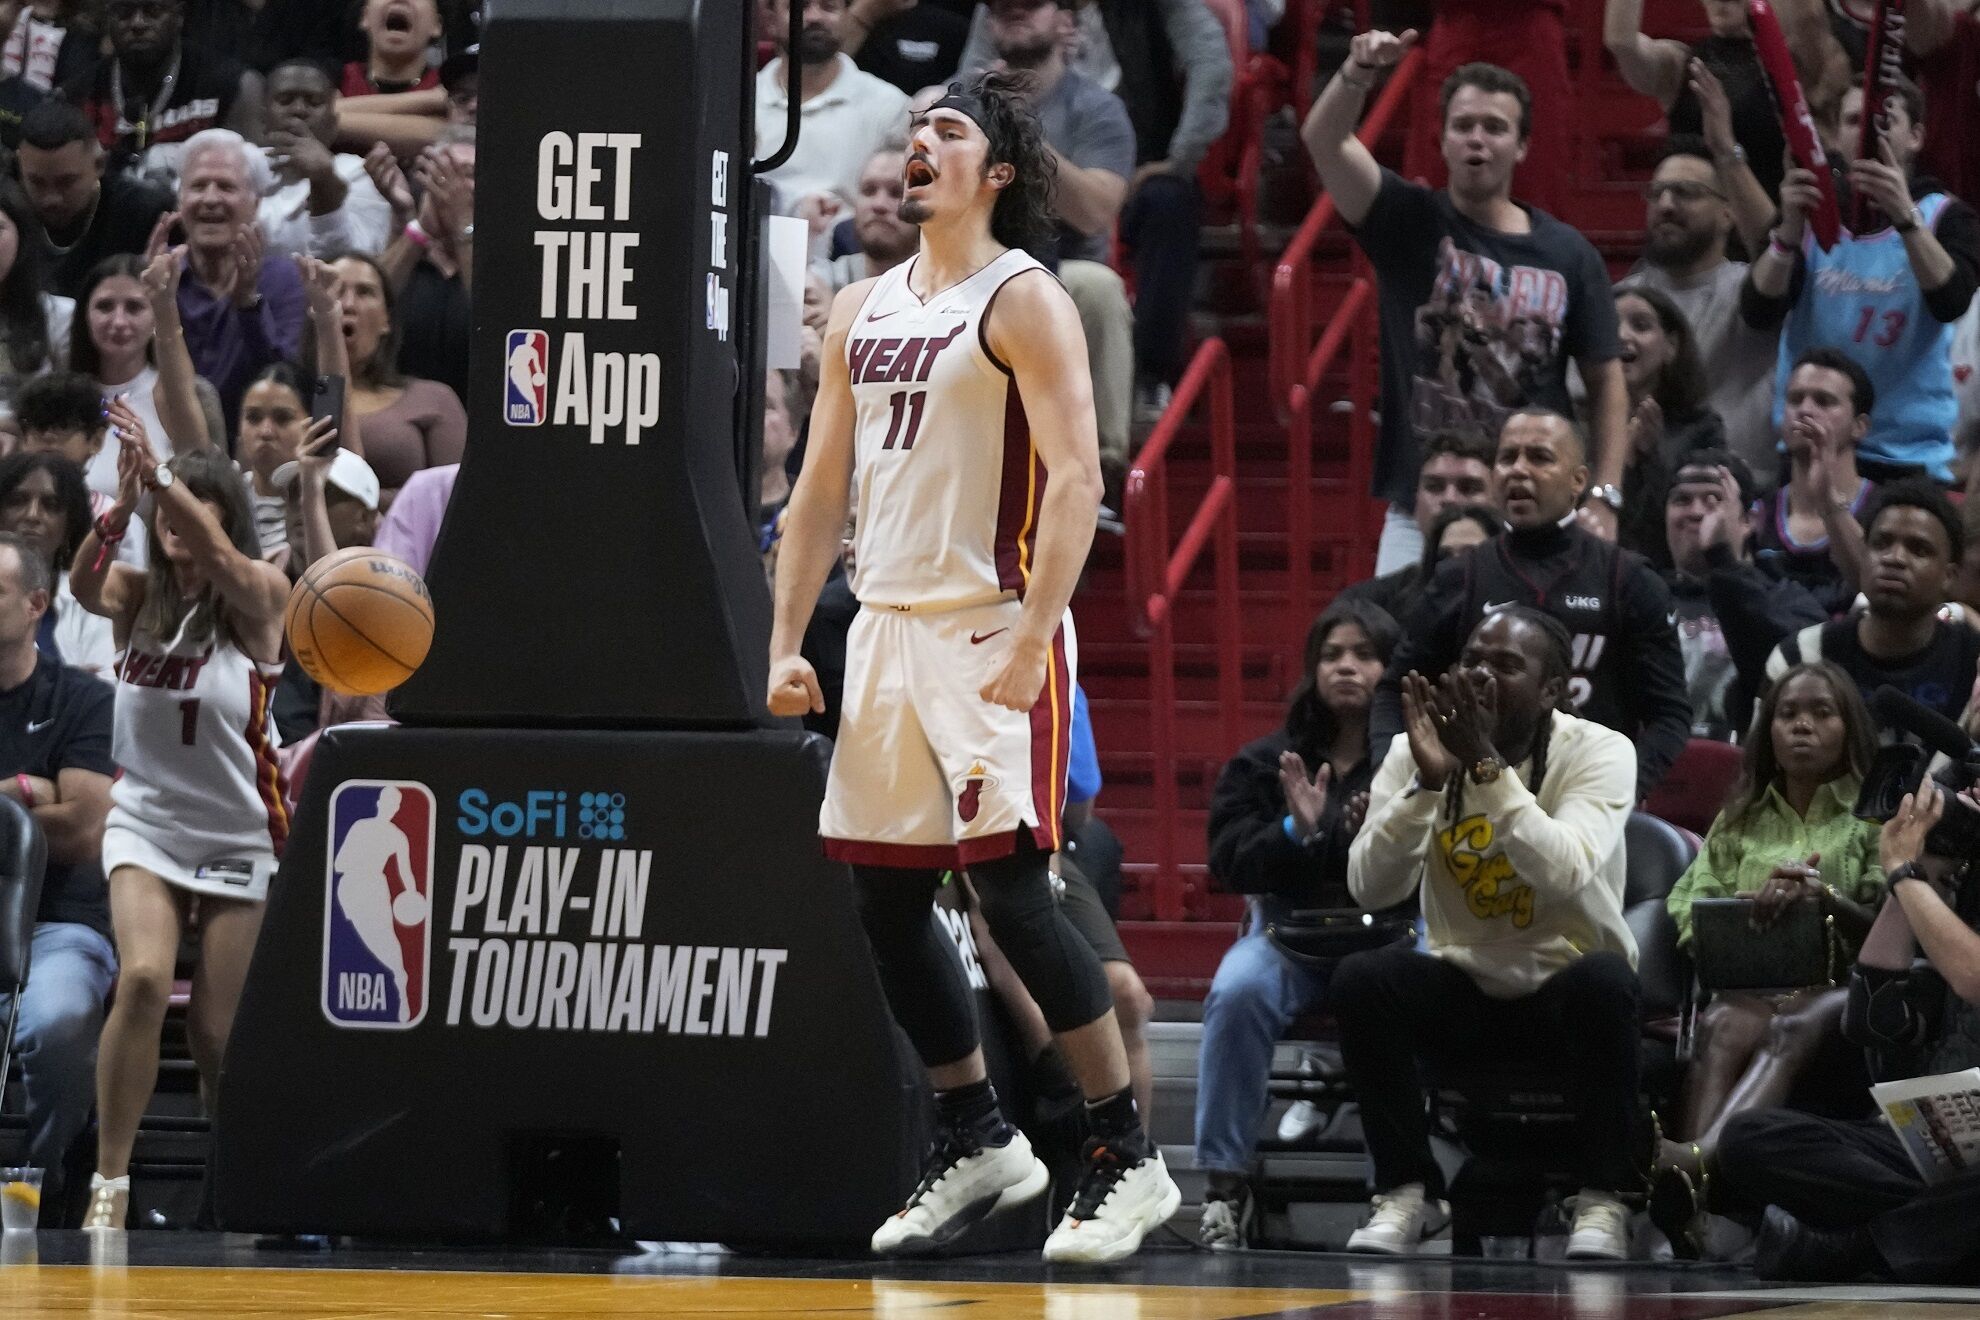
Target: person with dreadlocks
(1510, 814)
(954, 392)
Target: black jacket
(1250, 852)
(1628, 670)
(1756, 605)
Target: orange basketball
(359, 621)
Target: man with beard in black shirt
(1627, 670)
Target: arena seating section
(1274, 293)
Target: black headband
(963, 103)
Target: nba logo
(377, 904)
(526, 382)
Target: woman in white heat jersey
(197, 818)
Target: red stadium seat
(1696, 787)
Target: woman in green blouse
(1786, 836)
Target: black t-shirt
(60, 720)
(1475, 323)
(1940, 676)
(125, 214)
(1755, 121)
(202, 96)
(434, 320)
(914, 50)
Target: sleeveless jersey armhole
(983, 321)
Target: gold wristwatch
(1487, 771)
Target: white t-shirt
(838, 130)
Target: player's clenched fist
(1377, 49)
(794, 687)
(1019, 680)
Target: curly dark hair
(1025, 216)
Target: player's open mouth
(919, 173)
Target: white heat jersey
(948, 482)
(196, 744)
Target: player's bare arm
(815, 518)
(1034, 328)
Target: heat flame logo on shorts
(969, 797)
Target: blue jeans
(61, 1018)
(1256, 993)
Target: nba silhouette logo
(377, 904)
(526, 380)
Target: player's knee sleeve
(919, 967)
(1058, 967)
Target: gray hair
(254, 165)
(35, 574)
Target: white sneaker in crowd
(1399, 1221)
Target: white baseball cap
(348, 473)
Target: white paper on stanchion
(787, 243)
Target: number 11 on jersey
(905, 404)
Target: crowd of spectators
(1715, 500)
(1718, 498)
(215, 219)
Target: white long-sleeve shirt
(1516, 887)
(361, 224)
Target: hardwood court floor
(161, 1276)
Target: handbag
(1800, 949)
(1323, 936)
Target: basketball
(359, 622)
(408, 907)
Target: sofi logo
(542, 814)
(377, 904)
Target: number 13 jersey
(946, 480)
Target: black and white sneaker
(1120, 1198)
(962, 1183)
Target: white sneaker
(1302, 1121)
(1400, 1220)
(1601, 1227)
(1226, 1225)
(1115, 1207)
(960, 1186)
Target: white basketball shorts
(927, 773)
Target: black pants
(1163, 224)
(1398, 1008)
(1837, 1173)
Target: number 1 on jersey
(906, 404)
(189, 722)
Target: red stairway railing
(1155, 577)
(1297, 364)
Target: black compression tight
(923, 976)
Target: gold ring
(1443, 719)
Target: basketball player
(196, 820)
(955, 392)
